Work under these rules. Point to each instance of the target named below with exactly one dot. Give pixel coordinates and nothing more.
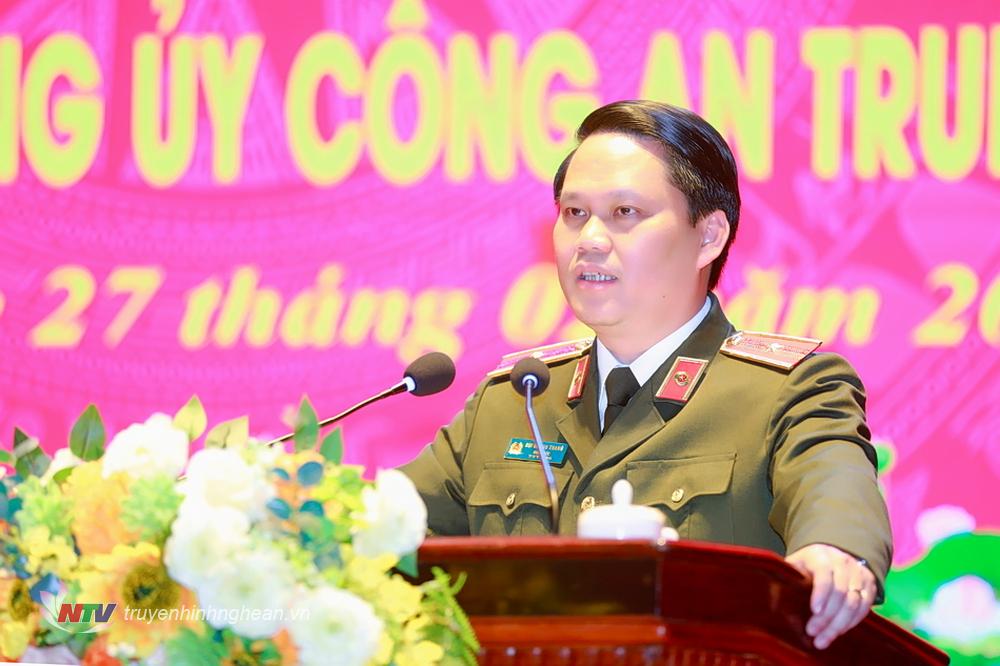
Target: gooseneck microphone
(530, 377)
(431, 373)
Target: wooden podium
(556, 600)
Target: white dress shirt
(647, 363)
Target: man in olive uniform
(741, 438)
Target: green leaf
(279, 507)
(62, 474)
(191, 418)
(306, 426)
(86, 439)
(29, 459)
(151, 507)
(310, 473)
(408, 564)
(6, 457)
(190, 648)
(234, 432)
(312, 507)
(332, 447)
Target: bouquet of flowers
(136, 553)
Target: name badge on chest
(521, 448)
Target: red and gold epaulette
(559, 351)
(772, 349)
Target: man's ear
(713, 229)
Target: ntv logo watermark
(76, 618)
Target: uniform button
(677, 495)
(510, 499)
(587, 503)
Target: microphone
(530, 377)
(431, 373)
(530, 371)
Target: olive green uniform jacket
(757, 456)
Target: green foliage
(450, 627)
(332, 448)
(75, 640)
(43, 505)
(232, 433)
(910, 589)
(306, 426)
(151, 506)
(309, 474)
(62, 474)
(86, 439)
(192, 648)
(191, 418)
(207, 648)
(340, 492)
(408, 564)
(279, 508)
(29, 459)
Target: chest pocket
(511, 498)
(693, 492)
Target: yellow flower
(398, 600)
(410, 649)
(367, 571)
(150, 607)
(18, 616)
(96, 507)
(47, 554)
(386, 645)
(419, 654)
(394, 599)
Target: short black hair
(699, 161)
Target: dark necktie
(620, 385)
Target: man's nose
(593, 237)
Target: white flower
(262, 455)
(252, 596)
(203, 540)
(964, 610)
(144, 449)
(395, 516)
(221, 477)
(943, 521)
(62, 459)
(332, 627)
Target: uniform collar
(649, 361)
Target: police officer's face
(628, 256)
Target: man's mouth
(596, 277)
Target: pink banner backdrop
(253, 201)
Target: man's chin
(598, 321)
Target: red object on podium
(555, 600)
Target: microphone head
(529, 367)
(431, 373)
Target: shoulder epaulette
(559, 351)
(777, 351)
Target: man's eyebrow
(613, 194)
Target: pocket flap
(674, 483)
(510, 485)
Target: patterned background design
(463, 263)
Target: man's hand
(843, 590)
